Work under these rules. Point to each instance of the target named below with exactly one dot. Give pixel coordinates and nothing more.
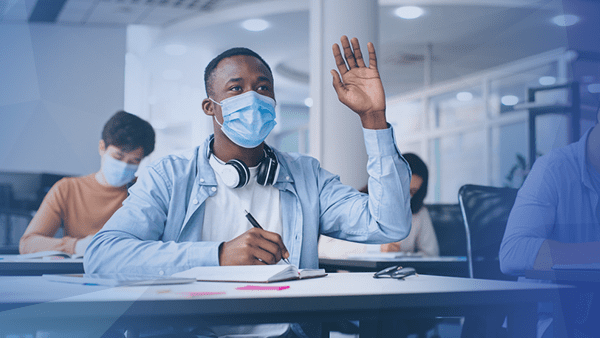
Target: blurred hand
(390, 247)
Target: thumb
(337, 82)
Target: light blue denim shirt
(158, 230)
(557, 201)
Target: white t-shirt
(225, 219)
(224, 215)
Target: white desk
(33, 302)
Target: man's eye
(235, 88)
(264, 88)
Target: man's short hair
(128, 132)
(210, 68)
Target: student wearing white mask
(81, 205)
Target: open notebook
(250, 273)
(48, 255)
(117, 279)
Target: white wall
(58, 86)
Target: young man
(189, 210)
(83, 204)
(555, 219)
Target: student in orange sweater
(83, 204)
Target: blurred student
(81, 205)
(420, 240)
(556, 217)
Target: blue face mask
(117, 173)
(247, 118)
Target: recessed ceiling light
(308, 102)
(409, 12)
(565, 20)
(175, 49)
(547, 80)
(509, 100)
(255, 25)
(594, 88)
(464, 96)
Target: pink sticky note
(260, 288)
(199, 294)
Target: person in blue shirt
(556, 219)
(556, 216)
(189, 210)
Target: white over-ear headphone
(235, 173)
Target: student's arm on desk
(531, 220)
(553, 252)
(131, 241)
(39, 235)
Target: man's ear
(208, 107)
(101, 147)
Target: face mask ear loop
(214, 101)
(220, 125)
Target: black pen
(256, 225)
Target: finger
(372, 56)
(339, 60)
(357, 53)
(276, 240)
(265, 257)
(337, 82)
(348, 53)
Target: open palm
(359, 86)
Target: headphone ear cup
(268, 169)
(236, 175)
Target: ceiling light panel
(409, 12)
(565, 20)
(255, 25)
(117, 12)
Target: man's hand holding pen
(254, 247)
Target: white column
(336, 137)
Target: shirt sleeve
(382, 216)
(531, 220)
(39, 235)
(131, 240)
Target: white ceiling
(466, 35)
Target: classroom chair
(485, 213)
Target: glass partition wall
(475, 130)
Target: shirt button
(287, 178)
(202, 180)
(161, 272)
(213, 188)
(195, 201)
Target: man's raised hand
(359, 86)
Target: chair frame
(466, 222)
